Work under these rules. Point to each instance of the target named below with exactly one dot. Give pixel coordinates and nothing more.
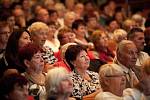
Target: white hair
(122, 45)
(53, 79)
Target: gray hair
(122, 45)
(53, 79)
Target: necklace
(36, 78)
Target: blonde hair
(53, 79)
(60, 6)
(96, 35)
(69, 14)
(118, 33)
(109, 70)
(36, 27)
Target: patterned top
(82, 87)
(36, 90)
(48, 55)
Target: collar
(125, 69)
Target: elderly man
(113, 82)
(39, 31)
(137, 36)
(126, 57)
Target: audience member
(142, 90)
(85, 83)
(137, 36)
(52, 41)
(100, 40)
(17, 39)
(79, 28)
(4, 35)
(14, 87)
(59, 85)
(113, 82)
(39, 31)
(31, 57)
(126, 57)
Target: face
(81, 31)
(54, 17)
(52, 30)
(69, 20)
(24, 39)
(43, 15)
(37, 62)
(4, 34)
(26, 4)
(119, 17)
(103, 41)
(82, 61)
(79, 8)
(139, 40)
(11, 20)
(66, 85)
(117, 84)
(113, 25)
(68, 37)
(19, 93)
(19, 15)
(40, 37)
(129, 54)
(92, 22)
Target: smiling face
(24, 39)
(36, 63)
(82, 61)
(40, 37)
(81, 31)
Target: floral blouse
(82, 87)
(48, 55)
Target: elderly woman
(101, 51)
(31, 57)
(113, 82)
(119, 35)
(85, 82)
(142, 90)
(39, 31)
(59, 85)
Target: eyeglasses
(116, 75)
(5, 32)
